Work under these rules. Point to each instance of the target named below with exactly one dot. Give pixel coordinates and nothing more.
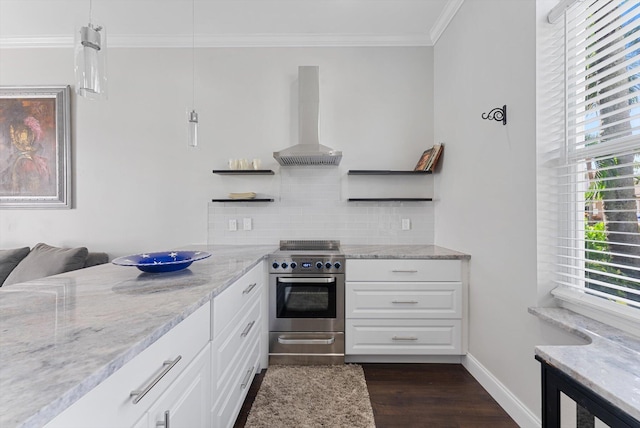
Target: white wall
(487, 190)
(137, 185)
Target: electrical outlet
(246, 223)
(233, 225)
(406, 224)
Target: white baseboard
(509, 402)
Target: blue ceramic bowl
(165, 261)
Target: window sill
(614, 314)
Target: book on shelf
(429, 158)
(435, 157)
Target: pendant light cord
(90, 11)
(193, 54)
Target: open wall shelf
(385, 172)
(243, 171)
(242, 200)
(389, 199)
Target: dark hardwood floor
(420, 395)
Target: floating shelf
(390, 199)
(242, 200)
(243, 171)
(385, 172)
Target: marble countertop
(61, 336)
(610, 356)
(400, 252)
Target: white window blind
(599, 244)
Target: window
(598, 177)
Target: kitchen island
(64, 335)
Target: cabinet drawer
(229, 401)
(228, 348)
(403, 337)
(109, 404)
(403, 300)
(403, 270)
(229, 303)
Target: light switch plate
(406, 224)
(233, 225)
(246, 223)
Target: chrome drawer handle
(140, 393)
(164, 423)
(247, 329)
(404, 271)
(249, 288)
(400, 338)
(412, 302)
(245, 381)
(285, 341)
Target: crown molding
(229, 40)
(449, 11)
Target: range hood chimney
(308, 151)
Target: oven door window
(313, 298)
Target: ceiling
(168, 23)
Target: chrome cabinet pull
(306, 280)
(245, 381)
(164, 423)
(249, 288)
(404, 271)
(412, 302)
(140, 393)
(400, 338)
(247, 329)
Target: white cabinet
(238, 344)
(185, 404)
(124, 398)
(405, 307)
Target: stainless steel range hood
(308, 151)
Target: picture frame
(35, 147)
(424, 160)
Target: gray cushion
(44, 260)
(94, 259)
(9, 259)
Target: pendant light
(90, 60)
(192, 116)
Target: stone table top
(609, 364)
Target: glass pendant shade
(192, 134)
(91, 62)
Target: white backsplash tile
(310, 205)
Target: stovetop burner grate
(309, 245)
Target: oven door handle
(285, 341)
(304, 280)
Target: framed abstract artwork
(35, 147)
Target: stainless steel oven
(306, 303)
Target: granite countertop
(61, 336)
(610, 357)
(401, 252)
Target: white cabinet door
(185, 404)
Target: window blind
(598, 250)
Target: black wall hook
(497, 114)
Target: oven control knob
(337, 265)
(319, 265)
(293, 265)
(284, 265)
(275, 265)
(327, 265)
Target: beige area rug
(312, 396)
